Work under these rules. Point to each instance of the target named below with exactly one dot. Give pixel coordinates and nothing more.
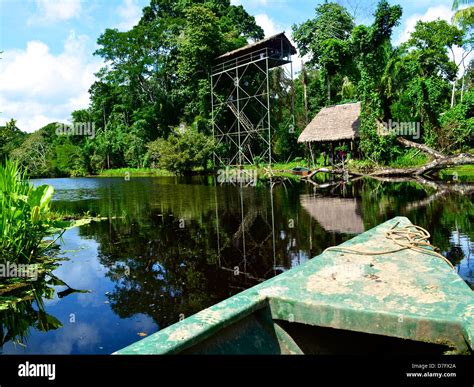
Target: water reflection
(341, 215)
(246, 240)
(461, 252)
(172, 247)
(22, 306)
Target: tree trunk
(305, 92)
(452, 161)
(424, 148)
(329, 90)
(435, 165)
(453, 93)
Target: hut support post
(310, 147)
(332, 154)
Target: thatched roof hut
(334, 123)
(334, 214)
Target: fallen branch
(447, 162)
(441, 161)
(421, 147)
(435, 165)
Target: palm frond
(463, 14)
(458, 3)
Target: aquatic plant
(25, 216)
(26, 220)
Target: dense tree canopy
(157, 74)
(156, 78)
(415, 82)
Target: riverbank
(134, 172)
(263, 172)
(459, 174)
(464, 173)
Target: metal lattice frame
(246, 244)
(240, 96)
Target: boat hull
(404, 302)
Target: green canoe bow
(404, 302)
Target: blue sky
(47, 64)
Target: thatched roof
(334, 214)
(334, 123)
(278, 41)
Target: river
(170, 247)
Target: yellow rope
(411, 237)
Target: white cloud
(442, 12)
(50, 11)
(422, 4)
(37, 87)
(71, 336)
(270, 27)
(250, 3)
(130, 13)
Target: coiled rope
(410, 237)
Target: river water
(170, 247)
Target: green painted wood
(407, 295)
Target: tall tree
(10, 138)
(325, 38)
(372, 50)
(432, 69)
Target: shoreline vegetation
(30, 231)
(29, 228)
(460, 174)
(150, 110)
(418, 158)
(134, 172)
(26, 218)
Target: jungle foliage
(156, 78)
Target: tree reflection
(169, 259)
(22, 306)
(174, 247)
